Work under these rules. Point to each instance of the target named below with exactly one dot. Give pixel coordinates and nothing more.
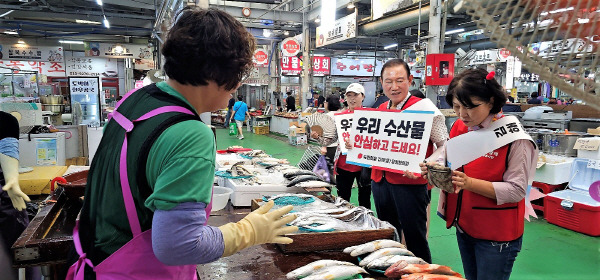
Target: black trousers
(344, 181)
(405, 207)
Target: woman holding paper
(346, 173)
(493, 160)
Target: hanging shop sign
(51, 69)
(291, 66)
(355, 67)
(91, 66)
(381, 7)
(290, 46)
(118, 50)
(489, 56)
(20, 52)
(343, 29)
(84, 85)
(550, 48)
(144, 64)
(321, 66)
(259, 76)
(510, 72)
(389, 140)
(260, 57)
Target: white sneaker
(241, 137)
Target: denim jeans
(487, 260)
(405, 207)
(227, 118)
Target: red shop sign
(291, 65)
(290, 47)
(260, 57)
(321, 66)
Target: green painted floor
(549, 251)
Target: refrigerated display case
(85, 91)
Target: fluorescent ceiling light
(106, 23)
(87, 21)
(557, 11)
(70, 42)
(351, 5)
(316, 54)
(267, 33)
(390, 46)
(21, 41)
(455, 31)
(286, 33)
(583, 20)
(7, 13)
(99, 2)
(351, 52)
(10, 32)
(317, 20)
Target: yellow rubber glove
(10, 168)
(259, 227)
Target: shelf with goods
(218, 117)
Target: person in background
(510, 99)
(277, 101)
(229, 108)
(552, 101)
(158, 189)
(487, 207)
(401, 198)
(328, 140)
(290, 102)
(534, 99)
(417, 93)
(380, 98)
(240, 114)
(510, 106)
(347, 173)
(320, 101)
(13, 217)
(313, 101)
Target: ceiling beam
(275, 15)
(74, 11)
(140, 4)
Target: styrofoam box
(589, 154)
(244, 194)
(554, 173)
(227, 160)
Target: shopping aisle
(549, 251)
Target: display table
(262, 262)
(281, 125)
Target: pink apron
(136, 259)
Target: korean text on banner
(343, 125)
(390, 140)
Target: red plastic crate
(580, 217)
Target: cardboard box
(588, 147)
(77, 161)
(298, 140)
(37, 181)
(300, 128)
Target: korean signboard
(291, 65)
(343, 29)
(343, 125)
(321, 66)
(91, 66)
(389, 140)
(51, 69)
(258, 76)
(290, 46)
(118, 50)
(260, 57)
(354, 67)
(84, 85)
(489, 56)
(20, 52)
(557, 47)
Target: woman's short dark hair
(333, 102)
(207, 45)
(473, 83)
(417, 93)
(393, 63)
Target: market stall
(280, 122)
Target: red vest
(396, 177)
(477, 215)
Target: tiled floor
(549, 251)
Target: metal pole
(305, 77)
(433, 43)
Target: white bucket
(220, 197)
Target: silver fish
(308, 184)
(347, 250)
(336, 272)
(297, 172)
(375, 245)
(303, 178)
(385, 252)
(386, 261)
(313, 267)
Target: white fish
(308, 184)
(385, 252)
(386, 261)
(374, 246)
(313, 267)
(347, 250)
(336, 272)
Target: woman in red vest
(487, 207)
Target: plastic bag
(232, 128)
(321, 169)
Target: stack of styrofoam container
(271, 184)
(575, 208)
(555, 171)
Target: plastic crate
(538, 204)
(261, 130)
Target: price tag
(592, 163)
(590, 144)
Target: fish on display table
(336, 272)
(308, 184)
(385, 252)
(372, 247)
(302, 178)
(314, 267)
(294, 172)
(385, 262)
(426, 276)
(403, 267)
